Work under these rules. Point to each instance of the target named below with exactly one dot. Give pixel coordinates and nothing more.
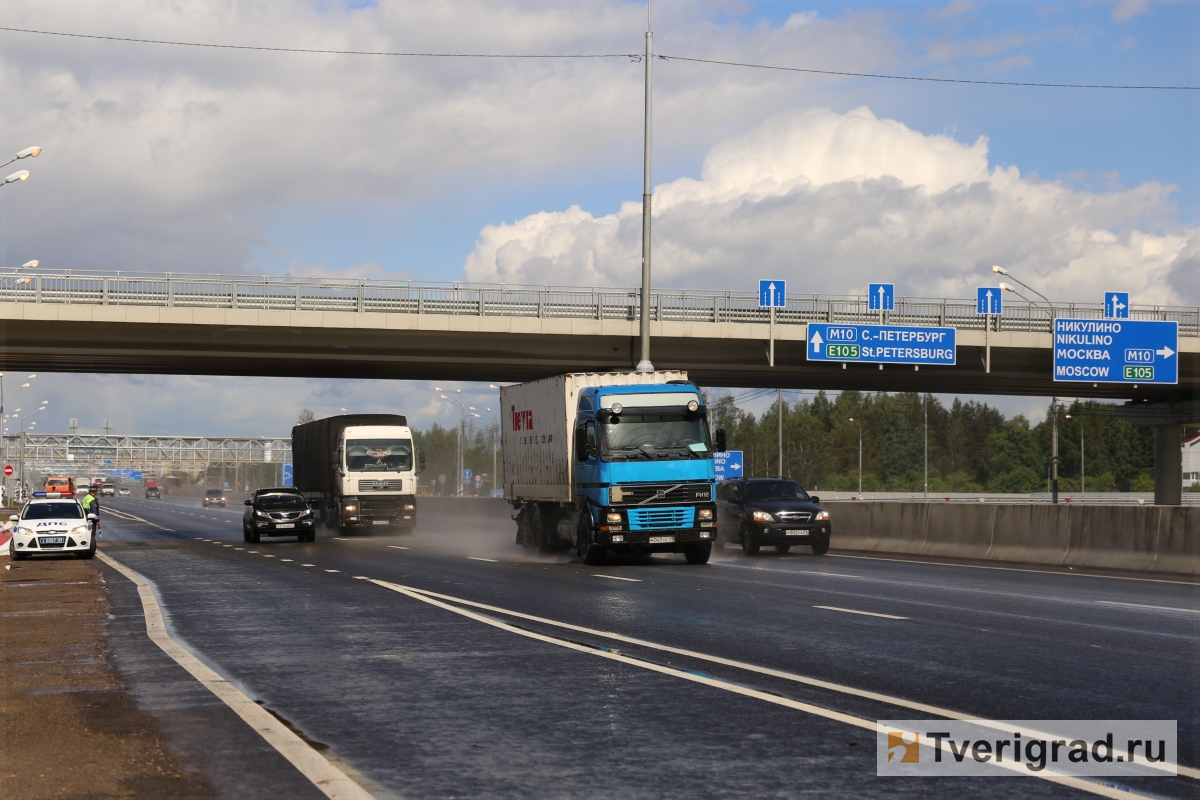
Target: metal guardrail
(1036, 498)
(268, 292)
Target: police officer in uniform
(91, 505)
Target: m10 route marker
(1116, 351)
(880, 344)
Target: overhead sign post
(1116, 305)
(772, 295)
(988, 300)
(881, 297)
(1116, 351)
(881, 344)
(727, 465)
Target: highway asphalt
(415, 699)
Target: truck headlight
(705, 513)
(762, 516)
(613, 518)
(822, 516)
(350, 507)
(409, 507)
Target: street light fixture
(1082, 485)
(28, 152)
(19, 175)
(1005, 287)
(462, 408)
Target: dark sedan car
(214, 497)
(278, 512)
(772, 511)
(152, 491)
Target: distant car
(49, 526)
(278, 512)
(108, 489)
(152, 491)
(213, 497)
(772, 511)
(123, 491)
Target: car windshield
(213, 493)
(64, 510)
(653, 436)
(379, 455)
(774, 490)
(279, 499)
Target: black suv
(214, 497)
(152, 491)
(278, 512)
(757, 511)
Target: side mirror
(248, 503)
(421, 459)
(812, 498)
(13, 518)
(722, 443)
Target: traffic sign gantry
(1116, 351)
(772, 293)
(989, 300)
(727, 465)
(881, 296)
(1116, 305)
(880, 344)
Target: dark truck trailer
(358, 470)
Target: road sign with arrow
(1116, 351)
(881, 296)
(1116, 305)
(727, 465)
(989, 300)
(880, 344)
(772, 293)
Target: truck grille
(381, 486)
(380, 507)
(661, 493)
(650, 519)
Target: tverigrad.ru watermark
(1082, 748)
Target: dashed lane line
(398, 547)
(856, 611)
(1149, 607)
(489, 560)
(694, 677)
(618, 578)
(334, 783)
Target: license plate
(379, 522)
(286, 525)
(661, 539)
(797, 533)
(52, 539)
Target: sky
(184, 159)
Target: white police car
(51, 523)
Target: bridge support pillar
(1168, 465)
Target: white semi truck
(618, 461)
(358, 471)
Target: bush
(1021, 480)
(1144, 482)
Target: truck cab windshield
(379, 455)
(631, 437)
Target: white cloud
(1128, 9)
(833, 201)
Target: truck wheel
(783, 549)
(820, 547)
(524, 518)
(749, 546)
(592, 554)
(698, 553)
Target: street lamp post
(1082, 484)
(859, 424)
(462, 431)
(1054, 450)
(925, 408)
(1007, 288)
(495, 436)
(644, 364)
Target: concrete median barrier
(1135, 538)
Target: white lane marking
(266, 556)
(398, 547)
(331, 570)
(239, 548)
(489, 560)
(255, 552)
(858, 722)
(856, 611)
(308, 565)
(340, 539)
(285, 559)
(226, 545)
(325, 776)
(618, 578)
(361, 578)
(1154, 608)
(198, 539)
(1013, 569)
(127, 517)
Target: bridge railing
(271, 293)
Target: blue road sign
(727, 465)
(989, 300)
(467, 475)
(287, 474)
(880, 344)
(771, 293)
(1116, 305)
(881, 296)
(1116, 351)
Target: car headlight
(613, 518)
(306, 512)
(80, 531)
(261, 514)
(821, 516)
(761, 516)
(25, 531)
(705, 513)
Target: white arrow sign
(735, 466)
(772, 288)
(1166, 352)
(1119, 305)
(817, 341)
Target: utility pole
(780, 406)
(1054, 450)
(644, 364)
(925, 407)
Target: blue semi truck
(618, 461)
